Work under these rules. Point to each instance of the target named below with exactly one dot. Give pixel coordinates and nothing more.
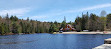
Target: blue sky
(53, 10)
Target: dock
(107, 41)
(106, 45)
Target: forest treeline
(13, 25)
(92, 22)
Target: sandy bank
(85, 33)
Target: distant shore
(16, 33)
(104, 32)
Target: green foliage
(11, 24)
(78, 23)
(63, 24)
(108, 20)
(15, 28)
(2, 29)
(13, 18)
(93, 22)
(84, 21)
(53, 27)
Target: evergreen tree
(78, 24)
(109, 21)
(2, 29)
(63, 23)
(14, 28)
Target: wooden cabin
(68, 27)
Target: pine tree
(78, 24)
(15, 28)
(109, 21)
(63, 23)
(2, 29)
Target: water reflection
(51, 41)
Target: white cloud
(17, 12)
(56, 13)
(62, 12)
(96, 7)
(88, 8)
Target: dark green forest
(14, 25)
(91, 22)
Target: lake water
(51, 41)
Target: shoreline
(106, 32)
(16, 34)
(72, 32)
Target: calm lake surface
(51, 41)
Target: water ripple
(18, 42)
